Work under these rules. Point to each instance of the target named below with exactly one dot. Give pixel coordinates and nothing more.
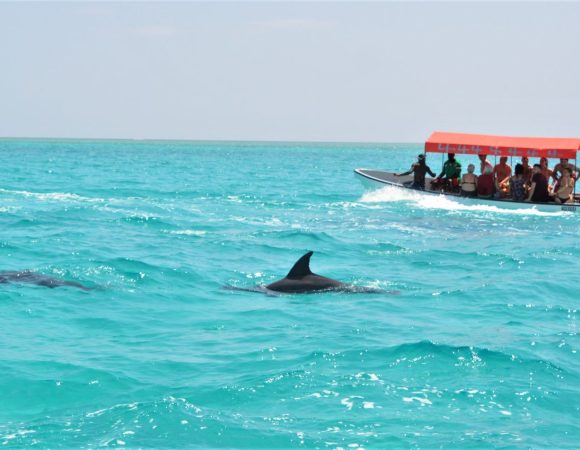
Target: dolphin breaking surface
(29, 277)
(302, 280)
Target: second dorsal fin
(301, 268)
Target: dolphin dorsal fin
(301, 268)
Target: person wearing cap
(419, 170)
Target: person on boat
(539, 188)
(527, 170)
(565, 187)
(449, 176)
(485, 184)
(564, 164)
(418, 169)
(483, 164)
(518, 184)
(502, 173)
(546, 171)
(469, 182)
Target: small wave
(123, 271)
(54, 196)
(188, 232)
(145, 423)
(385, 248)
(419, 352)
(145, 219)
(298, 234)
(350, 205)
(270, 222)
(9, 209)
(428, 201)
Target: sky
(288, 71)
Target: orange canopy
(473, 144)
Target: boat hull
(376, 179)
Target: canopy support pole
(575, 175)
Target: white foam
(389, 194)
(422, 401)
(347, 402)
(54, 196)
(189, 232)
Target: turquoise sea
(479, 349)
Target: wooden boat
(476, 144)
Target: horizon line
(258, 141)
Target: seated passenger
(539, 188)
(485, 185)
(518, 184)
(502, 173)
(469, 183)
(565, 187)
(418, 169)
(449, 176)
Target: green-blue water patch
(478, 350)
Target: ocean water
(479, 349)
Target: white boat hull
(376, 179)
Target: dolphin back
(300, 279)
(27, 276)
(301, 268)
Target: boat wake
(390, 194)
